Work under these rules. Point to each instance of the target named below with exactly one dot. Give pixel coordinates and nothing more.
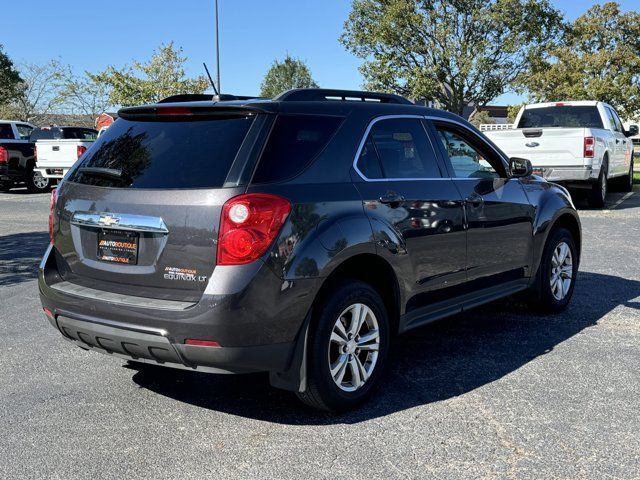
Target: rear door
(416, 214)
(498, 215)
(139, 214)
(619, 162)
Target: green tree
(512, 112)
(10, 80)
(285, 75)
(83, 95)
(160, 77)
(480, 117)
(597, 58)
(455, 52)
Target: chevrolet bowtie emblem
(108, 220)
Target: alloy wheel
(561, 271)
(353, 347)
(39, 181)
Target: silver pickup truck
(58, 148)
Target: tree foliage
(10, 80)
(480, 117)
(147, 82)
(597, 58)
(39, 92)
(451, 51)
(285, 75)
(82, 95)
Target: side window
(616, 119)
(6, 132)
(402, 150)
(616, 126)
(467, 160)
(24, 131)
(294, 142)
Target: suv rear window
(561, 116)
(294, 142)
(164, 154)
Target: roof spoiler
(325, 94)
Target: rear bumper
(256, 321)
(52, 172)
(570, 174)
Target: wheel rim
(561, 271)
(39, 181)
(354, 347)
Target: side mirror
(632, 132)
(520, 167)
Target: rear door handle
(392, 199)
(474, 200)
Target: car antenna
(211, 80)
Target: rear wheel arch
(569, 222)
(372, 270)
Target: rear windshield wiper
(101, 172)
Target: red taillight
(248, 225)
(4, 155)
(589, 146)
(174, 111)
(52, 208)
(80, 150)
(201, 343)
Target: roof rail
(203, 97)
(324, 94)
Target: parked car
(295, 236)
(17, 159)
(58, 148)
(580, 144)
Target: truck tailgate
(545, 147)
(58, 153)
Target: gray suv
(295, 236)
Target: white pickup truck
(58, 148)
(580, 144)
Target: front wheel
(348, 347)
(37, 183)
(556, 277)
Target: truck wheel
(557, 273)
(598, 193)
(347, 348)
(36, 183)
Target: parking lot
(494, 393)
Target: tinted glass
(564, 116)
(616, 125)
(293, 144)
(166, 154)
(466, 160)
(24, 131)
(404, 149)
(6, 132)
(45, 133)
(79, 133)
(368, 163)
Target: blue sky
(90, 35)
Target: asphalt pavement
(495, 393)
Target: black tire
(598, 193)
(322, 391)
(34, 185)
(542, 296)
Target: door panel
(416, 215)
(498, 215)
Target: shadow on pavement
(20, 254)
(437, 362)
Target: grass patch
(636, 177)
